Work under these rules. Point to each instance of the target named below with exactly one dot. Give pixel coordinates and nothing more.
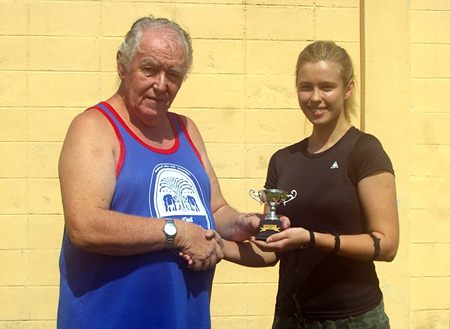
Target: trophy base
(267, 227)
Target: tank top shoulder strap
(183, 132)
(111, 116)
(123, 132)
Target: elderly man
(142, 203)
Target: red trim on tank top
(119, 137)
(188, 137)
(170, 150)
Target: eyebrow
(178, 69)
(326, 82)
(149, 61)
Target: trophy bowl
(272, 198)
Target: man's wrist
(170, 231)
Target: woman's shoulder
(368, 156)
(366, 141)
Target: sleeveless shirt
(150, 290)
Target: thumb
(209, 234)
(285, 222)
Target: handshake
(203, 249)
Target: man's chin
(154, 110)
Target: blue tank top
(151, 290)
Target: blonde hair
(329, 51)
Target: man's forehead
(161, 42)
(158, 58)
(162, 35)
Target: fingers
(285, 222)
(277, 242)
(218, 238)
(210, 234)
(246, 226)
(288, 239)
(204, 250)
(265, 246)
(277, 237)
(203, 264)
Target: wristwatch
(170, 230)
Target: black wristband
(337, 244)
(312, 240)
(376, 245)
(311, 243)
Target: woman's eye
(327, 87)
(304, 88)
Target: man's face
(154, 76)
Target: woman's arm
(379, 202)
(248, 254)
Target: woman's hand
(289, 239)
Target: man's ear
(349, 89)
(121, 70)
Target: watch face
(170, 229)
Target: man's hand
(246, 226)
(209, 235)
(202, 249)
(285, 222)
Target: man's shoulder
(92, 124)
(91, 118)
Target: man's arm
(87, 176)
(231, 224)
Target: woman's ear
(349, 89)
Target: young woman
(345, 215)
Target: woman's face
(322, 93)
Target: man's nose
(160, 81)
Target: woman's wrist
(312, 241)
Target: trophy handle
(291, 196)
(255, 195)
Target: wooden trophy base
(267, 227)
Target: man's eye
(175, 75)
(148, 71)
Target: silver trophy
(271, 197)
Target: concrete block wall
(430, 178)
(58, 57)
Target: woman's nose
(316, 97)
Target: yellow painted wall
(430, 165)
(57, 58)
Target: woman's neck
(324, 137)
